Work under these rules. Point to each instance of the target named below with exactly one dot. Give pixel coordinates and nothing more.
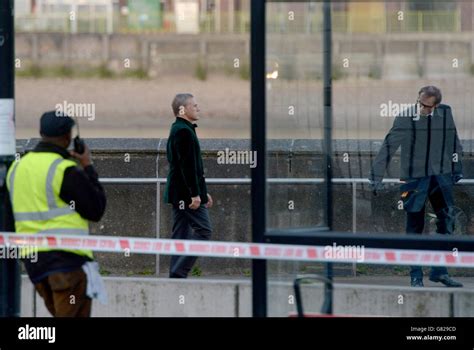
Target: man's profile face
(191, 110)
(426, 104)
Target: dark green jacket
(186, 172)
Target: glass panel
(383, 54)
(294, 114)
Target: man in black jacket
(186, 186)
(430, 165)
(57, 274)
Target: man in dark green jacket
(186, 186)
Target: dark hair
(179, 101)
(431, 91)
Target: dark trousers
(188, 224)
(441, 199)
(64, 294)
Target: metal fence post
(9, 268)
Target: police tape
(219, 249)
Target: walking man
(186, 186)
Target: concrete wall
(162, 297)
(394, 56)
(132, 209)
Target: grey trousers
(442, 201)
(188, 224)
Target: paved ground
(141, 108)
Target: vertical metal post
(327, 98)
(354, 219)
(259, 267)
(158, 205)
(9, 268)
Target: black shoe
(447, 281)
(417, 282)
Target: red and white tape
(130, 245)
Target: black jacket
(186, 173)
(429, 146)
(80, 186)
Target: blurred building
(412, 16)
(233, 16)
(384, 16)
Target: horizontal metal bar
(313, 236)
(299, 231)
(132, 180)
(154, 181)
(247, 181)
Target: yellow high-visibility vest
(34, 183)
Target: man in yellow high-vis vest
(49, 193)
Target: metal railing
(247, 181)
(158, 181)
(242, 181)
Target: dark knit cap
(54, 123)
